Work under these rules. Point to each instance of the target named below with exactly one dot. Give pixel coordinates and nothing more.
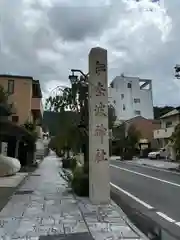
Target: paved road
(153, 192)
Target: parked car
(160, 154)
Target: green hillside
(54, 121)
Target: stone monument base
(8, 166)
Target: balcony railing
(163, 132)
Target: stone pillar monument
(99, 177)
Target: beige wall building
(24, 93)
(168, 123)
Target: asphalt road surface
(155, 193)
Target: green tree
(133, 136)
(111, 116)
(3, 95)
(31, 127)
(126, 139)
(5, 107)
(74, 99)
(119, 138)
(111, 121)
(175, 139)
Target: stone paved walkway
(43, 208)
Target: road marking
(178, 224)
(166, 217)
(147, 176)
(132, 196)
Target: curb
(170, 170)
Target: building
(168, 123)
(25, 97)
(146, 128)
(131, 97)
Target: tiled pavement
(43, 208)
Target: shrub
(66, 163)
(127, 156)
(59, 153)
(80, 182)
(73, 163)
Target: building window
(114, 101)
(124, 107)
(112, 85)
(10, 86)
(122, 96)
(137, 112)
(129, 85)
(168, 124)
(35, 91)
(136, 100)
(15, 119)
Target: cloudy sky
(46, 38)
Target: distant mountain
(53, 121)
(160, 111)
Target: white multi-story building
(131, 97)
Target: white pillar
(99, 177)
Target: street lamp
(73, 78)
(78, 70)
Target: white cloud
(46, 38)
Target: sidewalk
(43, 208)
(8, 186)
(162, 164)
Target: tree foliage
(5, 107)
(175, 139)
(111, 116)
(31, 127)
(3, 95)
(133, 136)
(73, 135)
(74, 100)
(126, 138)
(65, 101)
